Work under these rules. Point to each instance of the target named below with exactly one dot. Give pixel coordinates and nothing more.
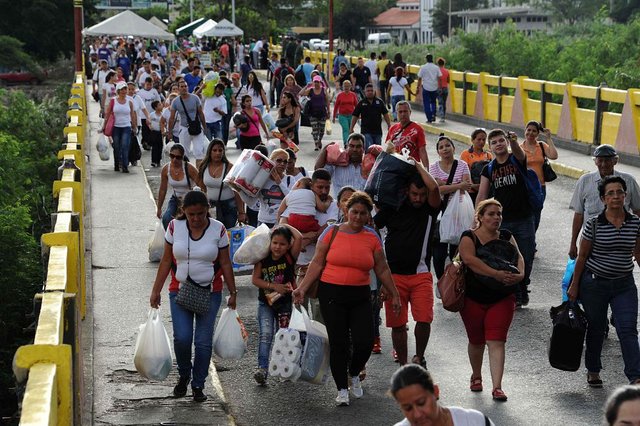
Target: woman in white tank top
(227, 203)
(178, 176)
(123, 124)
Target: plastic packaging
(269, 121)
(156, 245)
(255, 247)
(457, 218)
(568, 276)
(250, 172)
(230, 338)
(152, 357)
(336, 155)
(103, 148)
(315, 355)
(237, 235)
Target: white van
(377, 40)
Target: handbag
(547, 171)
(452, 286)
(191, 295)
(283, 122)
(108, 127)
(313, 288)
(436, 227)
(193, 126)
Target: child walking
(155, 134)
(302, 203)
(275, 278)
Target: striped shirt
(612, 251)
(342, 176)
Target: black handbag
(547, 171)
(134, 149)
(567, 336)
(281, 123)
(500, 255)
(191, 295)
(193, 126)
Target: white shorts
(194, 145)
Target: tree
(157, 11)
(441, 15)
(12, 54)
(350, 16)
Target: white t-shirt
(166, 113)
(122, 113)
(460, 417)
(301, 201)
(256, 98)
(219, 102)
(329, 217)
(99, 77)
(371, 64)
(291, 180)
(257, 46)
(429, 73)
(142, 76)
(397, 87)
(149, 96)
(155, 120)
(196, 258)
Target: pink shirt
(254, 124)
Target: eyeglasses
(280, 161)
(176, 157)
(619, 193)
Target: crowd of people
(327, 232)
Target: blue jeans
(394, 100)
(429, 104)
(596, 294)
(184, 336)
(226, 211)
(170, 212)
(269, 320)
(215, 129)
(524, 232)
(538, 213)
(121, 140)
(442, 101)
(371, 139)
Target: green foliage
(159, 12)
(347, 24)
(12, 54)
(30, 135)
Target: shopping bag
(134, 149)
(269, 121)
(327, 127)
(230, 338)
(336, 155)
(567, 336)
(237, 235)
(297, 320)
(285, 354)
(255, 247)
(568, 276)
(314, 361)
(388, 181)
(457, 218)
(103, 148)
(152, 356)
(156, 245)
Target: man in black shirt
(371, 110)
(504, 177)
(360, 77)
(408, 250)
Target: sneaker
(376, 346)
(420, 361)
(442, 120)
(198, 395)
(125, 170)
(343, 398)
(180, 389)
(261, 376)
(356, 387)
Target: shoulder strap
(399, 132)
(487, 422)
(186, 173)
(334, 232)
(595, 227)
(452, 173)
(189, 121)
(544, 155)
(224, 172)
(303, 171)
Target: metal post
(233, 11)
(464, 93)
(191, 10)
(544, 98)
(78, 24)
(449, 27)
(500, 93)
(600, 108)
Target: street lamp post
(233, 11)
(449, 27)
(330, 38)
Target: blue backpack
(531, 182)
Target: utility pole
(78, 24)
(191, 9)
(329, 62)
(233, 11)
(449, 30)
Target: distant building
(131, 4)
(408, 22)
(526, 18)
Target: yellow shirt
(381, 65)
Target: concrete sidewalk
(123, 220)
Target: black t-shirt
(370, 114)
(407, 244)
(279, 271)
(362, 76)
(476, 290)
(509, 188)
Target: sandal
(475, 384)
(499, 395)
(420, 361)
(594, 381)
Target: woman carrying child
(302, 203)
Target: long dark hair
(207, 157)
(256, 85)
(294, 104)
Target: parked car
(20, 76)
(314, 43)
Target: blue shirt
(192, 81)
(306, 69)
(104, 53)
(124, 63)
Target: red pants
(303, 223)
(488, 322)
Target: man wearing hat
(586, 202)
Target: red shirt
(444, 79)
(412, 138)
(345, 103)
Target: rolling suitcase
(567, 336)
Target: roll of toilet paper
(289, 371)
(292, 355)
(274, 368)
(293, 338)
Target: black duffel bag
(567, 336)
(388, 182)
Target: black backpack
(476, 170)
(389, 71)
(284, 72)
(301, 80)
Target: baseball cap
(317, 78)
(605, 151)
(121, 85)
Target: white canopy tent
(225, 28)
(204, 28)
(158, 23)
(129, 24)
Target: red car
(20, 76)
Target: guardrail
(52, 364)
(583, 114)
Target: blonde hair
(277, 152)
(482, 207)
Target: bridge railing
(587, 115)
(52, 365)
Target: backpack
(476, 170)
(531, 182)
(389, 71)
(301, 80)
(284, 72)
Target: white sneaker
(356, 387)
(343, 397)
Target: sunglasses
(176, 157)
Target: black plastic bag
(388, 181)
(500, 255)
(567, 336)
(134, 149)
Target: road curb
(559, 168)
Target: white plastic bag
(255, 247)
(103, 147)
(237, 235)
(156, 245)
(230, 338)
(457, 218)
(297, 320)
(269, 121)
(153, 357)
(315, 355)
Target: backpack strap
(452, 173)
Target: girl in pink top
(346, 102)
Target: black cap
(605, 151)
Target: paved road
(538, 394)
